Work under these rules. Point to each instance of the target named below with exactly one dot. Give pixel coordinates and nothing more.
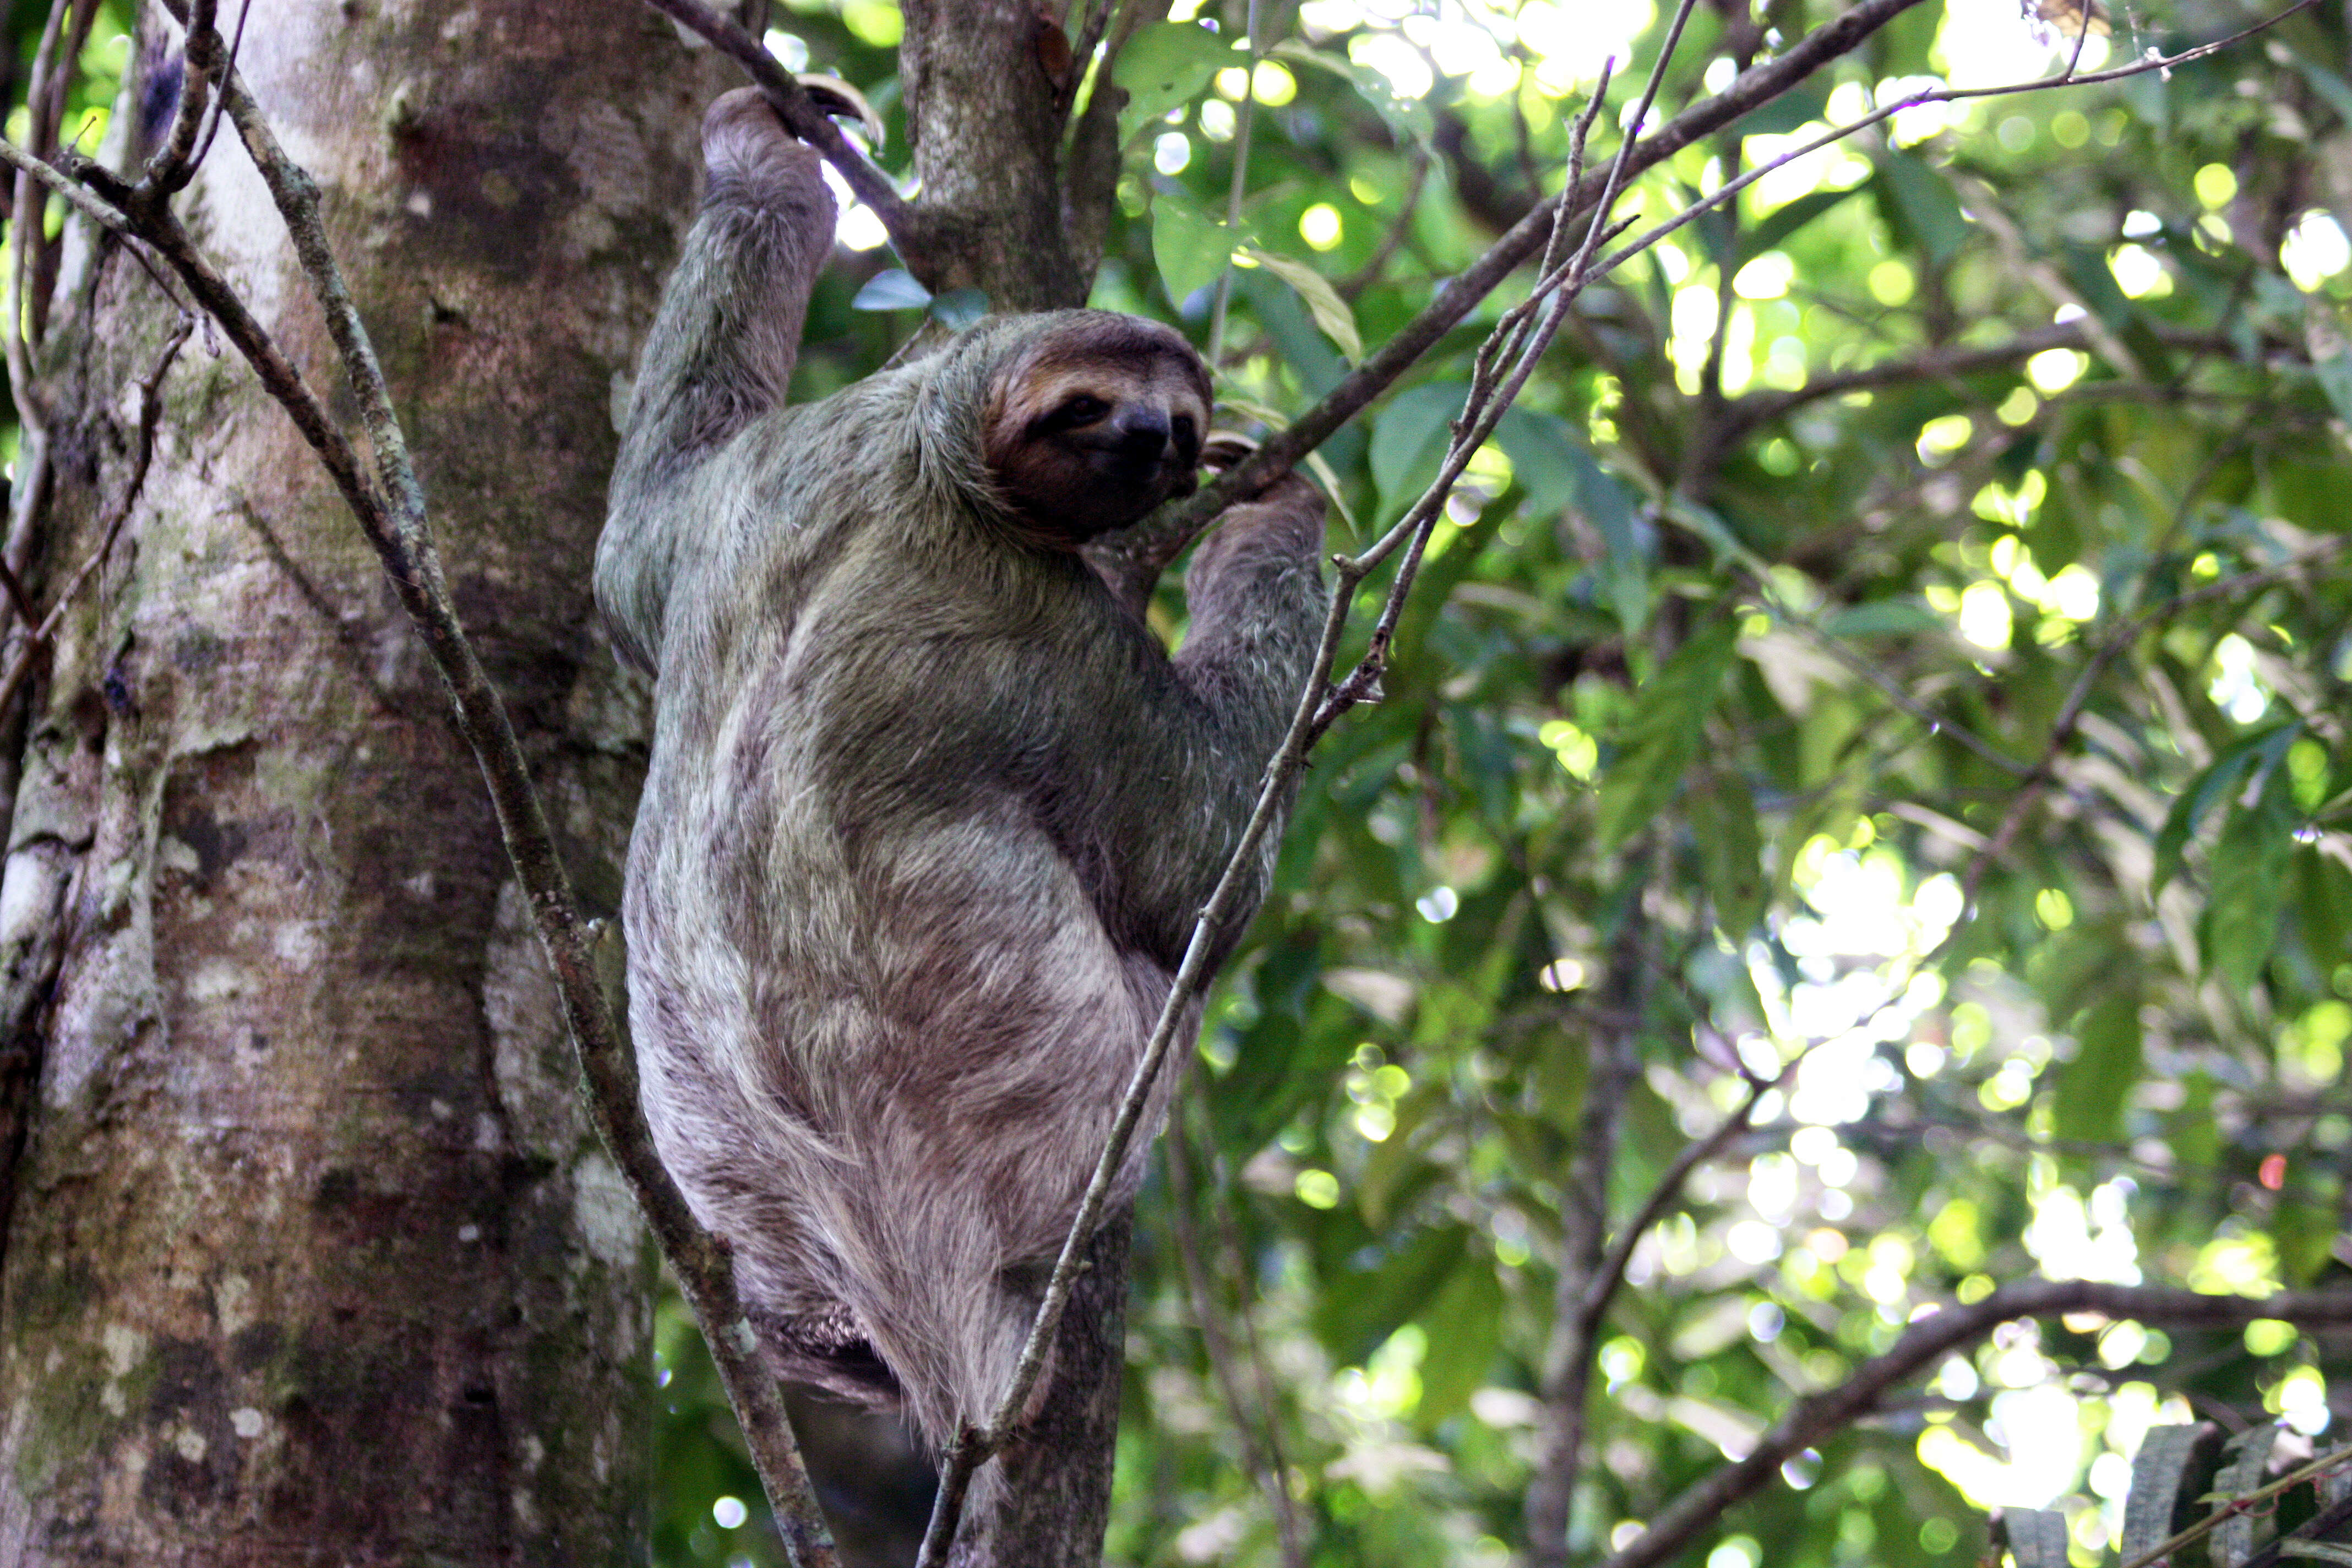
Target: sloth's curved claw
(1224, 449)
(843, 101)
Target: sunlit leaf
(1331, 311)
(1191, 250)
(1165, 64)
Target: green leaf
(2335, 374)
(1808, 100)
(2326, 83)
(1662, 738)
(2092, 1088)
(1191, 251)
(1166, 65)
(1301, 348)
(1884, 618)
(1323, 301)
(2305, 1233)
(2260, 749)
(1730, 851)
(1273, 419)
(1782, 222)
(1362, 1307)
(1556, 469)
(1465, 1325)
(1918, 199)
(1551, 464)
(1409, 438)
(894, 290)
(2249, 877)
(1408, 117)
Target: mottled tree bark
(313, 1256)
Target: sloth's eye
(1187, 434)
(1080, 410)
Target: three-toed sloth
(929, 813)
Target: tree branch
(1813, 1420)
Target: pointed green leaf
(1191, 251)
(1409, 441)
(959, 307)
(1916, 197)
(1164, 66)
(1883, 617)
(1663, 737)
(2260, 749)
(2092, 1088)
(1731, 851)
(2250, 863)
(1323, 302)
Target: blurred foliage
(1788, 681)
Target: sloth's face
(1096, 424)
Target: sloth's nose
(1142, 435)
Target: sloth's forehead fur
(1098, 354)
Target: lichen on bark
(311, 1249)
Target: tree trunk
(313, 1256)
(1014, 198)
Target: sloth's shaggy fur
(929, 811)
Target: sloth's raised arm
(722, 351)
(1190, 774)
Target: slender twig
(1610, 1277)
(1944, 362)
(1320, 703)
(1247, 114)
(1090, 35)
(1925, 1343)
(175, 163)
(1748, 91)
(803, 118)
(25, 230)
(40, 634)
(2037, 778)
(1887, 685)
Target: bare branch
(1943, 362)
(38, 637)
(1924, 1344)
(1567, 1374)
